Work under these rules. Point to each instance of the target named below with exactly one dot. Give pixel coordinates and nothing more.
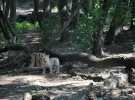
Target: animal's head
(45, 58)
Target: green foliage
(38, 88)
(88, 25)
(22, 27)
(47, 32)
(122, 14)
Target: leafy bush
(87, 26)
(48, 26)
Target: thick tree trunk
(113, 36)
(74, 21)
(14, 47)
(109, 39)
(6, 12)
(97, 43)
(46, 8)
(64, 18)
(13, 12)
(36, 13)
(132, 27)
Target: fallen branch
(14, 47)
(127, 60)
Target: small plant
(38, 88)
(32, 92)
(18, 85)
(19, 41)
(64, 89)
(25, 26)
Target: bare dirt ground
(71, 84)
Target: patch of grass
(38, 88)
(32, 92)
(25, 26)
(20, 28)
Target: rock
(122, 79)
(92, 96)
(115, 93)
(111, 83)
(27, 96)
(115, 80)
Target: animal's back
(54, 61)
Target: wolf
(50, 63)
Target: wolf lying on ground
(50, 63)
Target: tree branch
(65, 26)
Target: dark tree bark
(35, 13)
(64, 18)
(66, 25)
(14, 47)
(110, 37)
(5, 33)
(6, 12)
(13, 12)
(46, 8)
(4, 26)
(132, 27)
(97, 43)
(74, 21)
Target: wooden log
(127, 60)
(14, 47)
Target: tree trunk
(46, 8)
(13, 12)
(6, 12)
(132, 27)
(113, 36)
(36, 7)
(109, 39)
(65, 26)
(64, 18)
(74, 21)
(97, 43)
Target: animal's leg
(44, 69)
(57, 70)
(50, 68)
